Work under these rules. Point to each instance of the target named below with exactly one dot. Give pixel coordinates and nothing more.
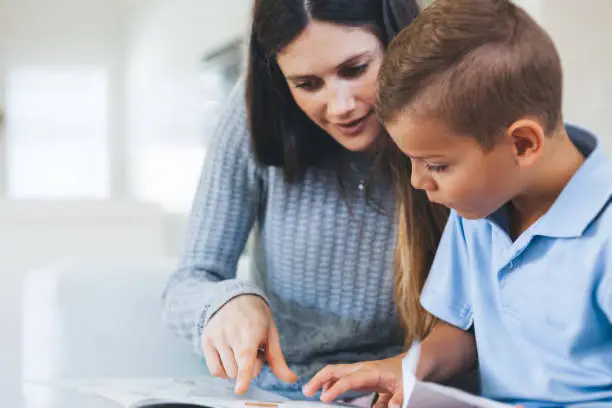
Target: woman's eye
(354, 71)
(310, 85)
(436, 168)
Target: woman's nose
(341, 101)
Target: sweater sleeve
(226, 204)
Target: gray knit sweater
(321, 259)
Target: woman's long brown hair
(419, 228)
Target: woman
(322, 287)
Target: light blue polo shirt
(541, 307)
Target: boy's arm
(445, 353)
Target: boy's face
(455, 170)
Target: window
(56, 130)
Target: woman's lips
(354, 127)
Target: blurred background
(107, 106)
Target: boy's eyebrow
(347, 62)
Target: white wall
(168, 102)
(166, 42)
(62, 31)
(583, 33)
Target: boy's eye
(354, 71)
(436, 168)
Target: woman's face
(331, 71)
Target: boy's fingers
(322, 379)
(383, 400)
(397, 400)
(328, 385)
(276, 360)
(357, 381)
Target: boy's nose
(417, 179)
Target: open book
(215, 393)
(208, 392)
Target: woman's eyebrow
(347, 62)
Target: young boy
(471, 92)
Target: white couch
(101, 319)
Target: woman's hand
(237, 340)
(383, 377)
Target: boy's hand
(383, 377)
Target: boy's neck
(559, 163)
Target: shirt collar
(584, 196)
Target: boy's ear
(527, 137)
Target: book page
(429, 395)
(205, 391)
(129, 392)
(419, 394)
